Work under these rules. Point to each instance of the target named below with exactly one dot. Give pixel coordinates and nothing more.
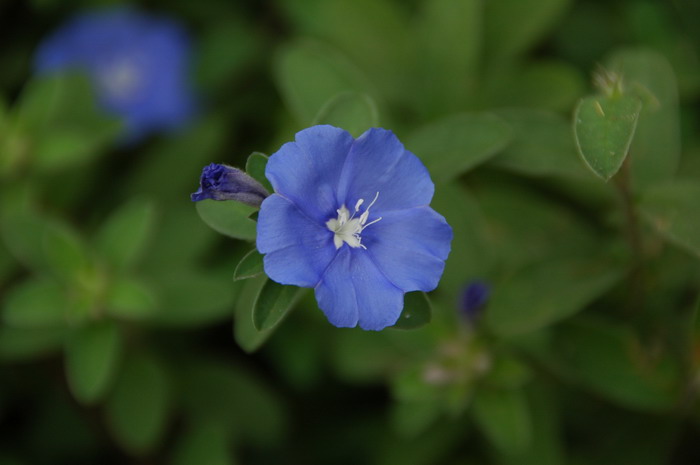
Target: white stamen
(347, 228)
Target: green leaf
(610, 361)
(604, 127)
(204, 443)
(130, 299)
(308, 74)
(38, 303)
(416, 311)
(504, 417)
(250, 266)
(541, 146)
(273, 303)
(246, 334)
(193, 297)
(458, 143)
(672, 208)
(656, 148)
(540, 295)
(452, 71)
(91, 356)
(137, 409)
(122, 239)
(19, 344)
(353, 111)
(513, 26)
(255, 167)
(232, 397)
(65, 252)
(229, 218)
(66, 146)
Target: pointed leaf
(604, 128)
(504, 417)
(255, 167)
(416, 311)
(130, 299)
(273, 303)
(250, 266)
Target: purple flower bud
(222, 182)
(474, 298)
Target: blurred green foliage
(117, 300)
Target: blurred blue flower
(351, 218)
(474, 298)
(222, 182)
(138, 64)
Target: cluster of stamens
(347, 228)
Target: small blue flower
(222, 182)
(474, 298)
(351, 219)
(138, 65)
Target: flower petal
(354, 290)
(297, 249)
(307, 171)
(410, 247)
(378, 162)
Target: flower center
(347, 228)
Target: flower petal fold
(378, 162)
(297, 249)
(307, 171)
(353, 290)
(410, 247)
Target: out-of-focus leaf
(130, 299)
(233, 398)
(412, 418)
(250, 266)
(19, 344)
(137, 409)
(66, 254)
(458, 143)
(203, 443)
(37, 303)
(229, 218)
(353, 111)
(610, 361)
(309, 74)
(255, 167)
(543, 85)
(23, 234)
(543, 294)
(672, 208)
(189, 299)
(604, 128)
(416, 311)
(273, 303)
(91, 356)
(65, 146)
(504, 417)
(541, 146)
(513, 26)
(655, 150)
(123, 237)
(449, 73)
(225, 48)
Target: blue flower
(474, 298)
(351, 219)
(138, 65)
(222, 182)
